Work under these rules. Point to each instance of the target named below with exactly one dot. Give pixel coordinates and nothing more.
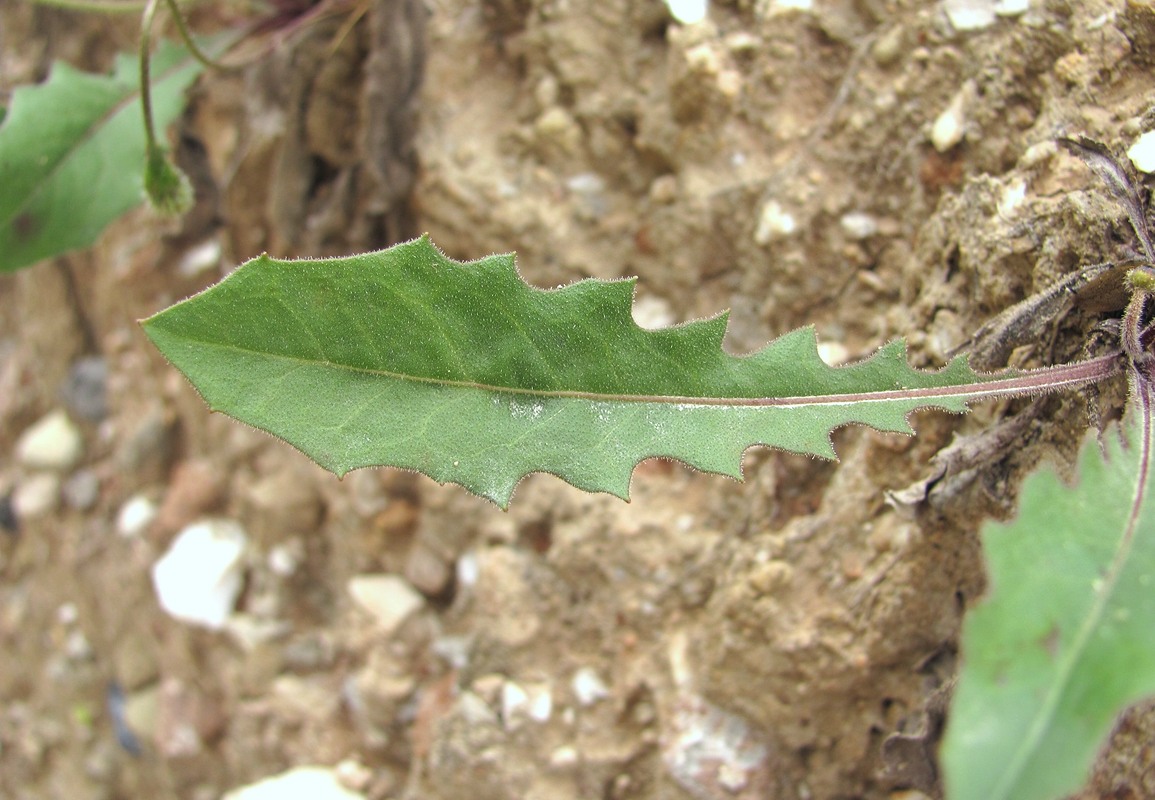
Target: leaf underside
(1066, 639)
(72, 152)
(465, 373)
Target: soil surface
(870, 168)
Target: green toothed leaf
(72, 152)
(464, 372)
(1066, 639)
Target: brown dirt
(794, 620)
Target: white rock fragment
(564, 757)
(299, 783)
(588, 687)
(389, 599)
(970, 15)
(774, 222)
(652, 313)
(1012, 198)
(199, 578)
(833, 354)
(858, 224)
(1142, 153)
(36, 495)
(201, 257)
(51, 443)
(514, 704)
(353, 774)
(283, 559)
(540, 703)
(468, 569)
(135, 516)
(950, 126)
(688, 12)
(520, 703)
(710, 749)
(1012, 8)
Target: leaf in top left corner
(72, 151)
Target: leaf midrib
(1043, 379)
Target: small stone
(199, 578)
(564, 757)
(970, 15)
(556, 126)
(200, 258)
(772, 576)
(1142, 153)
(514, 704)
(389, 599)
(51, 443)
(84, 389)
(468, 569)
(858, 225)
(353, 774)
(313, 782)
(652, 313)
(833, 354)
(427, 569)
(950, 126)
(588, 687)
(540, 703)
(664, 190)
(774, 222)
(889, 47)
(283, 559)
(82, 490)
(688, 12)
(135, 516)
(36, 495)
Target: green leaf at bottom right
(1065, 640)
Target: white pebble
(688, 12)
(283, 560)
(564, 756)
(135, 516)
(199, 578)
(588, 687)
(774, 222)
(833, 354)
(1142, 153)
(36, 495)
(389, 599)
(468, 570)
(51, 443)
(652, 313)
(950, 127)
(540, 703)
(514, 704)
(299, 783)
(66, 613)
(858, 225)
(1012, 198)
(970, 15)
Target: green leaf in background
(1066, 639)
(72, 152)
(406, 358)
